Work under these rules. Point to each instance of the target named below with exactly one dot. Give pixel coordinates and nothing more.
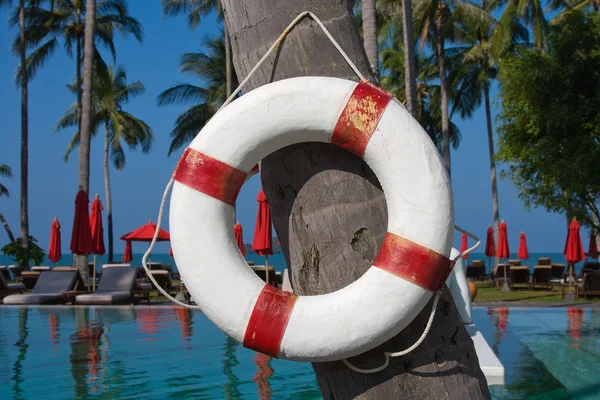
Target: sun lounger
(476, 270)
(9, 288)
(590, 266)
(514, 263)
(542, 276)
(115, 287)
(52, 287)
(544, 261)
(558, 272)
(590, 285)
(115, 265)
(164, 280)
(5, 272)
(519, 276)
(29, 279)
(40, 268)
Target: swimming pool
(164, 352)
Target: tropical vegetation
(110, 91)
(550, 121)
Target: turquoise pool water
(173, 353)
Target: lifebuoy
(412, 264)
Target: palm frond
(36, 60)
(182, 93)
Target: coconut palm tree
(434, 22)
(209, 67)
(5, 171)
(110, 92)
(196, 10)
(18, 18)
(479, 60)
(65, 21)
(427, 111)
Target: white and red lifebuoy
(412, 264)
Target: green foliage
(33, 252)
(5, 171)
(110, 91)
(550, 121)
(210, 68)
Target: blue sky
(138, 188)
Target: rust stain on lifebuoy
(360, 117)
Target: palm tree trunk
(86, 108)
(24, 137)
(312, 253)
(369, 21)
(228, 80)
(109, 218)
(495, 203)
(444, 91)
(11, 237)
(78, 81)
(410, 77)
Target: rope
(149, 251)
(278, 41)
(388, 354)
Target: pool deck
(536, 304)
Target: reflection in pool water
(175, 353)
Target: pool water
(174, 353)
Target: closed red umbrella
(464, 245)
(54, 253)
(96, 227)
(263, 240)
(573, 252)
(523, 252)
(490, 243)
(593, 247)
(239, 238)
(171, 251)
(503, 250)
(97, 233)
(128, 253)
(573, 245)
(81, 237)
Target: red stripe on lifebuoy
(360, 117)
(268, 320)
(413, 262)
(209, 176)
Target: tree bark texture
(24, 136)
(228, 72)
(369, 25)
(109, 215)
(490, 134)
(444, 90)
(410, 74)
(4, 222)
(78, 80)
(329, 211)
(86, 113)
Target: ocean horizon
(276, 260)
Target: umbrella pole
(505, 287)
(570, 296)
(94, 279)
(267, 268)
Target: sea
(276, 260)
